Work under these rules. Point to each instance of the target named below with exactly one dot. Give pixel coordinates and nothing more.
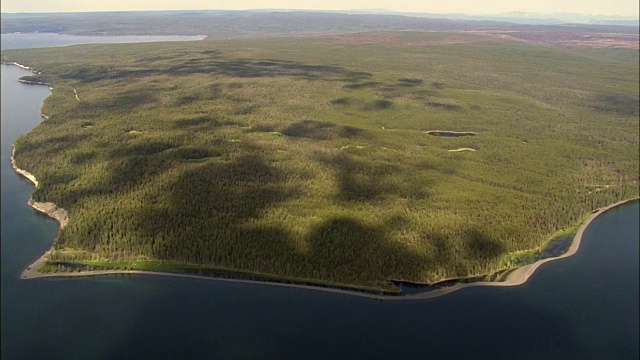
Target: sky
(593, 7)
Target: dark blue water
(582, 307)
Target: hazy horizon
(622, 8)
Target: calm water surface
(585, 306)
(37, 40)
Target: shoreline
(3, 62)
(516, 277)
(32, 71)
(48, 208)
(18, 65)
(35, 83)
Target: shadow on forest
(124, 102)
(445, 107)
(210, 210)
(617, 104)
(409, 82)
(345, 249)
(142, 148)
(379, 105)
(244, 68)
(129, 172)
(92, 73)
(320, 130)
(476, 246)
(240, 68)
(55, 144)
(479, 245)
(214, 213)
(366, 84)
(82, 157)
(205, 121)
(366, 179)
(211, 92)
(211, 215)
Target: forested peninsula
(352, 160)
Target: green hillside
(311, 157)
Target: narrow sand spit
(33, 82)
(18, 65)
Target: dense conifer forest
(355, 159)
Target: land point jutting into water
(305, 159)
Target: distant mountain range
(517, 17)
(266, 22)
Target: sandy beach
(18, 65)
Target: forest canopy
(315, 157)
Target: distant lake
(40, 40)
(581, 307)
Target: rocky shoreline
(48, 208)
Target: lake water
(582, 307)
(36, 40)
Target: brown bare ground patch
(569, 39)
(399, 39)
(566, 39)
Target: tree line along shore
(306, 158)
